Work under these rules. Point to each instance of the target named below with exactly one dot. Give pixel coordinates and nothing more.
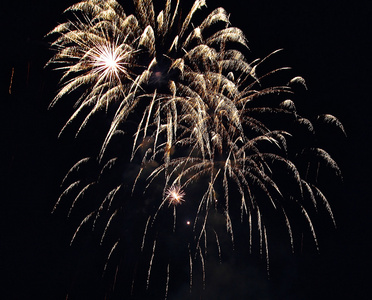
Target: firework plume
(208, 139)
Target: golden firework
(202, 123)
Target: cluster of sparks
(200, 121)
(108, 62)
(175, 195)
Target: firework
(207, 137)
(175, 195)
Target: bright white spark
(109, 61)
(175, 195)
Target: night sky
(326, 42)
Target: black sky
(326, 42)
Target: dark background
(326, 42)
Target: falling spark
(190, 266)
(11, 81)
(167, 284)
(203, 266)
(150, 265)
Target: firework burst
(175, 195)
(198, 120)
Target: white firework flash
(175, 195)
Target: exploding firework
(175, 195)
(207, 137)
